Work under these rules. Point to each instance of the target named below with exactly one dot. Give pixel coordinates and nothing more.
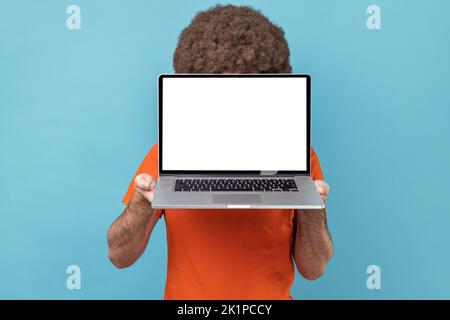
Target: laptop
(235, 141)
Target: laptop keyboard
(236, 185)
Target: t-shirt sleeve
(150, 166)
(316, 170)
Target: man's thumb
(144, 181)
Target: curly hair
(231, 39)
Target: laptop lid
(234, 124)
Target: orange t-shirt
(227, 253)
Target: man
(226, 254)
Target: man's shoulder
(154, 150)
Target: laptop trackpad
(237, 198)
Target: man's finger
(145, 182)
(323, 188)
(147, 194)
(320, 189)
(152, 183)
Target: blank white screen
(231, 123)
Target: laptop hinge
(268, 173)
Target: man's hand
(313, 246)
(323, 188)
(145, 185)
(129, 234)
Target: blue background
(77, 116)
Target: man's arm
(129, 234)
(313, 246)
